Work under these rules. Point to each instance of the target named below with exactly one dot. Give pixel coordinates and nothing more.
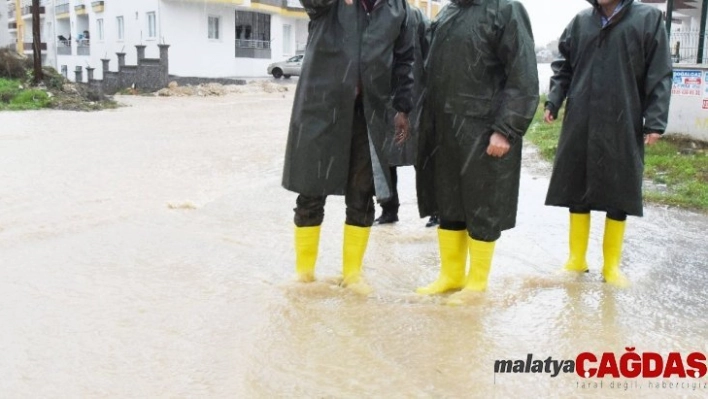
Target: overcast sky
(550, 17)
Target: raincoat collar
(465, 3)
(618, 15)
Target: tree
(36, 43)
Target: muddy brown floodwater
(147, 252)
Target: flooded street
(147, 252)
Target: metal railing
(62, 9)
(257, 44)
(684, 47)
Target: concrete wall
(688, 113)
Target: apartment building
(207, 38)
(18, 26)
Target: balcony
(27, 11)
(80, 9)
(28, 46)
(62, 11)
(97, 6)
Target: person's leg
(612, 248)
(309, 214)
(452, 240)
(434, 220)
(578, 236)
(389, 207)
(359, 200)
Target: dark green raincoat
(482, 78)
(617, 81)
(347, 47)
(405, 155)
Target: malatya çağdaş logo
(630, 364)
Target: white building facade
(207, 38)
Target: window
(252, 30)
(152, 25)
(121, 28)
(214, 28)
(287, 40)
(99, 28)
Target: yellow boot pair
(611, 248)
(454, 246)
(307, 241)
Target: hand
(548, 117)
(498, 145)
(651, 138)
(402, 126)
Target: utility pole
(36, 43)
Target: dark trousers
(359, 196)
(392, 204)
(612, 213)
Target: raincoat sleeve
(403, 57)
(519, 98)
(562, 75)
(658, 79)
(316, 8)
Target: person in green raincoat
(615, 72)
(404, 155)
(358, 53)
(482, 93)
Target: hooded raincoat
(617, 81)
(349, 50)
(482, 78)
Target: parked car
(290, 67)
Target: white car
(290, 67)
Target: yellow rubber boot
(481, 254)
(612, 251)
(578, 242)
(453, 261)
(307, 241)
(355, 241)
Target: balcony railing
(62, 9)
(28, 10)
(30, 46)
(63, 47)
(83, 47)
(257, 44)
(293, 4)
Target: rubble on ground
(217, 89)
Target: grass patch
(14, 97)
(675, 169)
